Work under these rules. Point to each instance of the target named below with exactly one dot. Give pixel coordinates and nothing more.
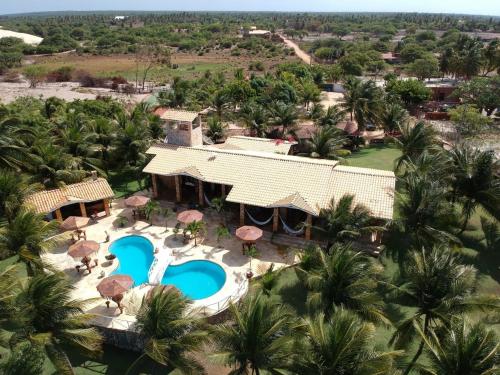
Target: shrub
(63, 74)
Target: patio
(228, 254)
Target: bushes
(63, 74)
(256, 65)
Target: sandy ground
(329, 99)
(27, 38)
(68, 91)
(298, 51)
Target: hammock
(291, 231)
(207, 201)
(261, 223)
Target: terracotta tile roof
(87, 191)
(256, 144)
(273, 180)
(179, 115)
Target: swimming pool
(196, 279)
(135, 255)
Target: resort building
(260, 180)
(81, 199)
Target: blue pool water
(196, 279)
(135, 255)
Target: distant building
(253, 31)
(120, 18)
(391, 58)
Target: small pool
(135, 255)
(196, 279)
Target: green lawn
(374, 156)
(125, 183)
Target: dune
(27, 38)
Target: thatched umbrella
(189, 216)
(249, 233)
(83, 249)
(74, 222)
(113, 287)
(137, 201)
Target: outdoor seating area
(94, 269)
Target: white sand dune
(27, 38)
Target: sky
(485, 7)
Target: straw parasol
(136, 201)
(83, 249)
(74, 222)
(249, 233)
(189, 216)
(115, 285)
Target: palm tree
(343, 220)
(362, 100)
(255, 118)
(28, 235)
(216, 129)
(196, 228)
(131, 143)
(413, 141)
(393, 117)
(105, 132)
(13, 191)
(344, 278)
(436, 286)
(325, 143)
(151, 209)
(219, 102)
(332, 116)
(463, 348)
(475, 181)
(12, 151)
(425, 216)
(258, 339)
(284, 115)
(342, 344)
(172, 333)
(310, 93)
(46, 315)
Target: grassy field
(374, 156)
(189, 65)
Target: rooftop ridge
(365, 171)
(259, 139)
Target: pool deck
(228, 255)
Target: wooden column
(242, 214)
(106, 206)
(59, 215)
(201, 201)
(276, 214)
(83, 210)
(178, 192)
(154, 184)
(308, 226)
(223, 188)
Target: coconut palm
(362, 100)
(151, 209)
(344, 220)
(216, 130)
(196, 228)
(219, 102)
(475, 181)
(344, 278)
(425, 216)
(342, 344)
(172, 333)
(325, 143)
(13, 153)
(46, 315)
(28, 235)
(332, 116)
(257, 339)
(463, 348)
(413, 141)
(393, 117)
(255, 118)
(14, 189)
(131, 143)
(436, 286)
(284, 115)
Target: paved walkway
(227, 254)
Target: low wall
(123, 339)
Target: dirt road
(298, 51)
